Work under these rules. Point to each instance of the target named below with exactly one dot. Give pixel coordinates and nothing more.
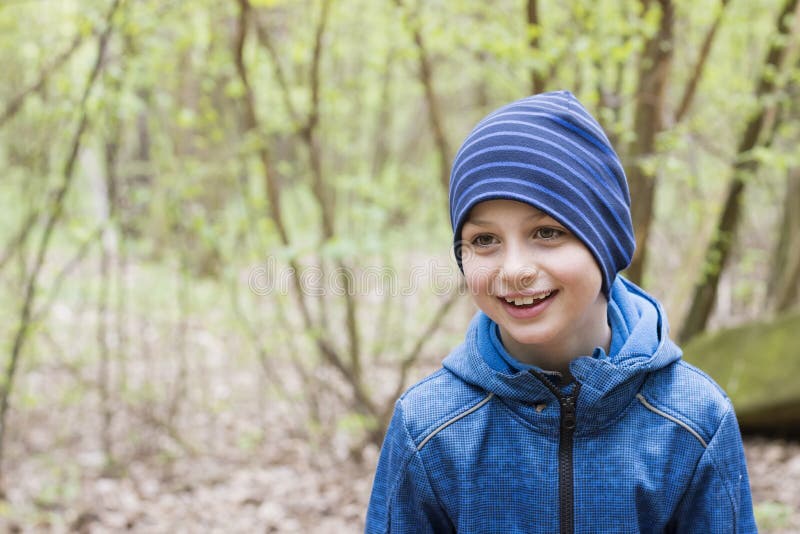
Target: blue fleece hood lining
(641, 345)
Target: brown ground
(234, 467)
(774, 467)
(304, 490)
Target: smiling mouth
(529, 300)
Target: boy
(567, 408)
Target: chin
(532, 339)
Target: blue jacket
(640, 442)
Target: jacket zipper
(566, 495)
(565, 468)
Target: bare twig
(19, 239)
(255, 340)
(13, 107)
(435, 117)
(83, 250)
(251, 125)
(308, 132)
(251, 120)
(149, 417)
(305, 128)
(280, 75)
(57, 207)
(699, 67)
(179, 388)
(383, 119)
(413, 355)
(104, 375)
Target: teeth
(521, 301)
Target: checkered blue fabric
(548, 151)
(656, 446)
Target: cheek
(477, 276)
(584, 273)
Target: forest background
(224, 244)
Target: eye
(547, 233)
(483, 240)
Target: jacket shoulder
(689, 395)
(435, 401)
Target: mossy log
(758, 365)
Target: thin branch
(320, 191)
(255, 339)
(305, 127)
(435, 118)
(251, 120)
(64, 272)
(107, 251)
(697, 72)
(54, 216)
(15, 105)
(383, 119)
(413, 355)
(309, 129)
(19, 239)
(709, 146)
(326, 349)
(62, 363)
(270, 373)
(149, 417)
(313, 116)
(280, 75)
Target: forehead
(493, 209)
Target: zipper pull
(568, 412)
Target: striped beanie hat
(548, 151)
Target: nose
(519, 269)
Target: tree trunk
(538, 79)
(654, 66)
(719, 248)
(783, 286)
(705, 292)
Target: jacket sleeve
(403, 499)
(718, 499)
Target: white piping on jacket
(671, 418)
(453, 420)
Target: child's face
(515, 252)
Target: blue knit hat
(548, 151)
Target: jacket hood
(640, 345)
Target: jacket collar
(609, 382)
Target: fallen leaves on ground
(301, 489)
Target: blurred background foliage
(226, 221)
